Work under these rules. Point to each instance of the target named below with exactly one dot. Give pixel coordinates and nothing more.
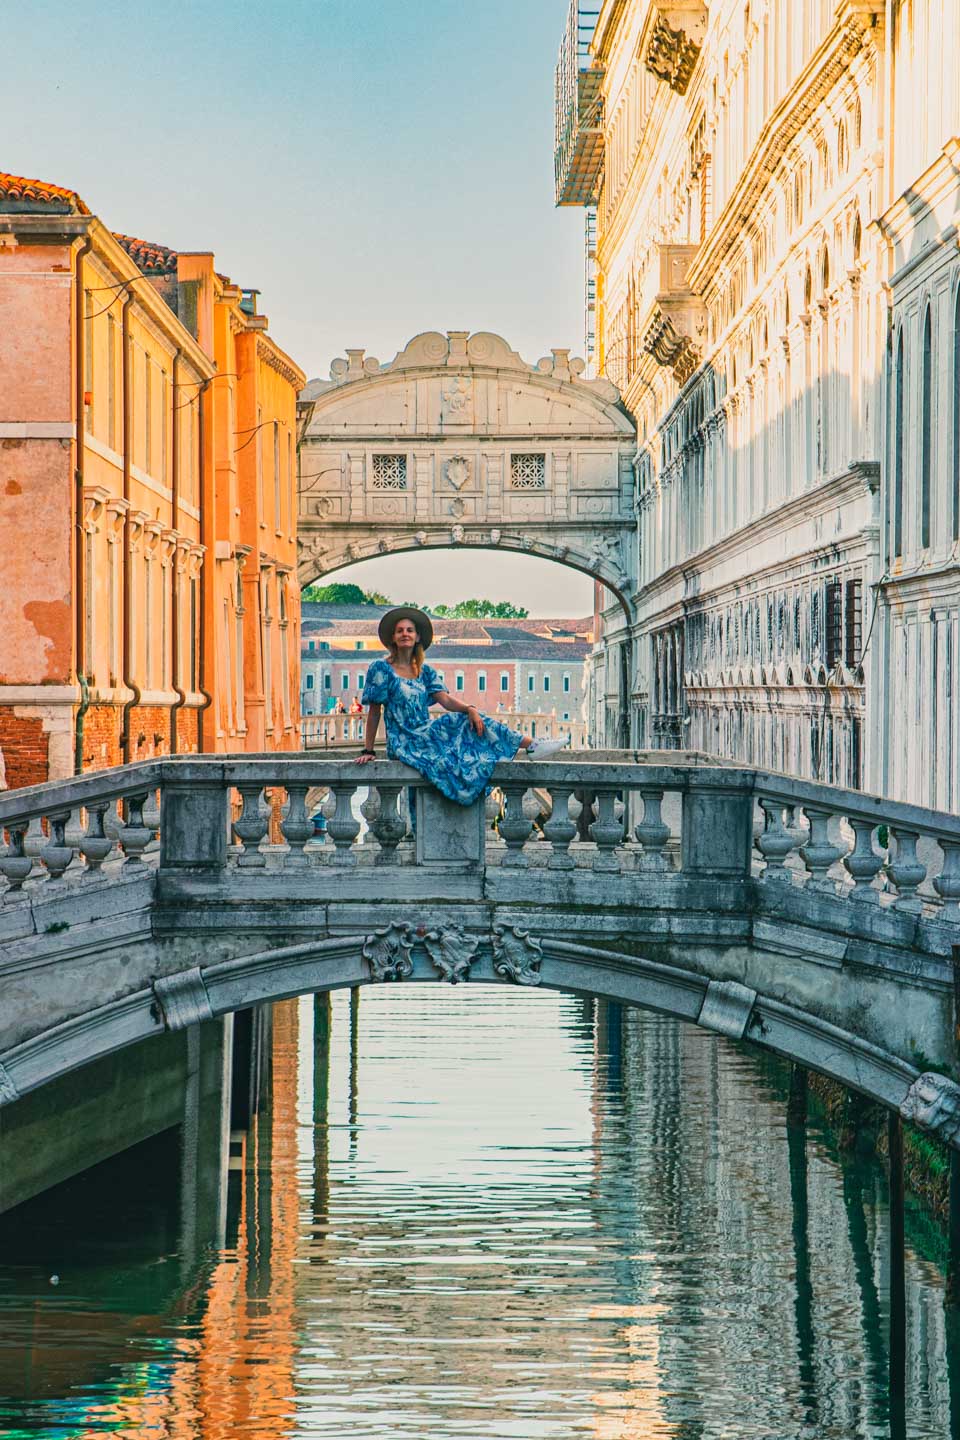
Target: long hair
(416, 659)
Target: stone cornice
(271, 354)
(825, 67)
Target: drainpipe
(181, 699)
(80, 557)
(206, 520)
(127, 676)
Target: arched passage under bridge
(459, 442)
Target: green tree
(339, 594)
(482, 610)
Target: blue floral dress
(447, 750)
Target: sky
(375, 168)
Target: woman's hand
(475, 718)
(364, 759)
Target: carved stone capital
(183, 999)
(452, 951)
(933, 1102)
(387, 952)
(726, 1008)
(517, 955)
(672, 39)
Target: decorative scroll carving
(672, 42)
(517, 955)
(452, 951)
(726, 1008)
(933, 1102)
(183, 999)
(387, 952)
(8, 1089)
(670, 346)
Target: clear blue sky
(375, 168)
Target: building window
(326, 682)
(309, 682)
(389, 472)
(439, 675)
(345, 681)
(459, 680)
(566, 715)
(360, 679)
(277, 502)
(528, 472)
(504, 682)
(956, 417)
(898, 428)
(566, 684)
(926, 431)
(358, 644)
(481, 681)
(852, 622)
(310, 645)
(531, 682)
(324, 644)
(546, 683)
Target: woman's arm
(440, 697)
(370, 733)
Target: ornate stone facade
(777, 300)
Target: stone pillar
(193, 830)
(717, 825)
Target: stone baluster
(344, 827)
(33, 843)
(96, 844)
(819, 854)
(135, 835)
(296, 827)
(57, 854)
(251, 825)
(947, 883)
(16, 863)
(652, 832)
(775, 844)
(862, 863)
(907, 871)
(606, 832)
(560, 829)
(388, 826)
(514, 827)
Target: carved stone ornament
(456, 397)
(495, 537)
(452, 951)
(726, 1008)
(517, 955)
(457, 534)
(387, 952)
(670, 347)
(673, 37)
(933, 1102)
(458, 471)
(183, 999)
(8, 1089)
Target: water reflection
(476, 1214)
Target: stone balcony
(673, 319)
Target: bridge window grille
(852, 622)
(528, 472)
(389, 472)
(834, 647)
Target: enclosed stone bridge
(817, 923)
(457, 441)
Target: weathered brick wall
(25, 748)
(149, 734)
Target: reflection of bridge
(325, 732)
(836, 955)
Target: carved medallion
(933, 1102)
(456, 399)
(517, 955)
(387, 952)
(458, 471)
(452, 951)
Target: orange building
(147, 500)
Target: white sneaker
(543, 749)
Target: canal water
(478, 1213)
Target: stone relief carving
(457, 508)
(495, 537)
(182, 999)
(452, 951)
(517, 955)
(457, 534)
(8, 1089)
(420, 538)
(458, 471)
(387, 952)
(607, 550)
(933, 1102)
(456, 399)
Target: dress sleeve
(376, 691)
(431, 681)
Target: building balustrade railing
(323, 732)
(618, 813)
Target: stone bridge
(458, 441)
(818, 923)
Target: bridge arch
(459, 442)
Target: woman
(456, 752)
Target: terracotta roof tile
(152, 259)
(21, 193)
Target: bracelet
(368, 752)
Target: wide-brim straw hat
(423, 623)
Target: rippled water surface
(482, 1214)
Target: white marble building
(776, 226)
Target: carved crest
(517, 955)
(452, 951)
(458, 471)
(933, 1102)
(387, 952)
